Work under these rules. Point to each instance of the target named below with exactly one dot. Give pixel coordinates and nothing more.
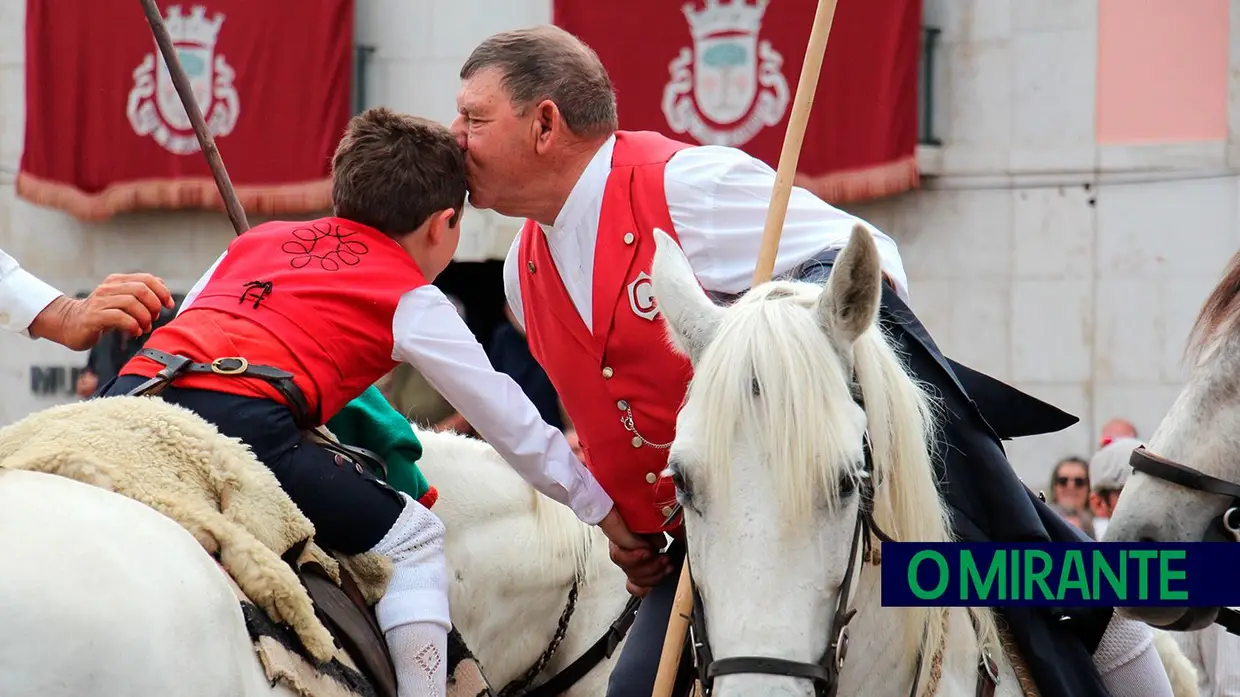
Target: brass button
(651, 478)
(530, 266)
(637, 441)
(608, 372)
(628, 238)
(622, 405)
(667, 511)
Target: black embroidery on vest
(256, 291)
(329, 245)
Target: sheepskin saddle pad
(174, 461)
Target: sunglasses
(1076, 481)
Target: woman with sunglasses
(1070, 483)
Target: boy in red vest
(296, 319)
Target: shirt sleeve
(718, 198)
(200, 284)
(512, 282)
(1221, 664)
(432, 337)
(22, 296)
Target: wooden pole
(181, 81)
(793, 138)
(811, 69)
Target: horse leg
(103, 596)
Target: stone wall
(1069, 269)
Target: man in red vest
(537, 116)
(297, 319)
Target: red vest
(315, 298)
(624, 368)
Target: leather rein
(1225, 528)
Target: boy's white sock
(420, 653)
(413, 612)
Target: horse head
(799, 422)
(1185, 488)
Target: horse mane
(1219, 310)
(771, 344)
(470, 473)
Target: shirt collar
(587, 193)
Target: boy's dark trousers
(351, 510)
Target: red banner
(106, 132)
(725, 72)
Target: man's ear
(547, 120)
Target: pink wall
(1162, 70)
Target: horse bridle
(825, 674)
(1225, 528)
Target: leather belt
(236, 366)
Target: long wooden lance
(181, 81)
(682, 603)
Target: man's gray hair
(546, 62)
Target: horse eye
(682, 487)
(848, 484)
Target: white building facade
(1044, 247)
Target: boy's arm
(430, 335)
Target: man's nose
(458, 130)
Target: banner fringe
(865, 183)
(172, 194)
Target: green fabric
(371, 422)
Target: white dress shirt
(22, 295)
(430, 335)
(718, 199)
(1216, 655)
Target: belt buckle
(218, 368)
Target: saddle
(351, 622)
(343, 609)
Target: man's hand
(637, 555)
(128, 303)
(575, 443)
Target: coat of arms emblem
(154, 108)
(729, 85)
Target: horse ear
(848, 305)
(692, 318)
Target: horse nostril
(1146, 538)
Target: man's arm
(718, 198)
(123, 302)
(512, 284)
(22, 296)
(1223, 660)
(432, 337)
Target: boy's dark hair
(392, 171)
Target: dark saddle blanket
(344, 612)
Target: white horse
(1201, 431)
(770, 465)
(768, 459)
(101, 596)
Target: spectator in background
(1078, 517)
(1108, 472)
(114, 350)
(1117, 428)
(1070, 483)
